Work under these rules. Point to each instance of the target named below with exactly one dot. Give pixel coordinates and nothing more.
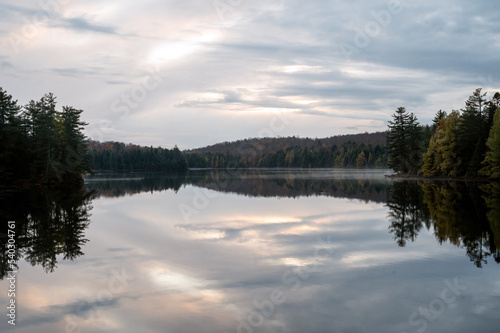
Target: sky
(197, 72)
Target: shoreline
(439, 178)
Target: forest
(348, 151)
(118, 156)
(40, 144)
(463, 143)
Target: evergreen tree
(404, 142)
(473, 132)
(40, 118)
(13, 153)
(414, 144)
(74, 155)
(39, 144)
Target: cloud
(6, 9)
(80, 24)
(217, 66)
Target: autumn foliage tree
(441, 157)
(465, 144)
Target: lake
(270, 250)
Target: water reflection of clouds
(204, 276)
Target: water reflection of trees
(407, 212)
(117, 185)
(48, 224)
(492, 199)
(291, 184)
(464, 214)
(252, 183)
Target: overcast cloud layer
(198, 72)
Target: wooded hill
(343, 151)
(272, 145)
(355, 150)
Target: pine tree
(13, 152)
(414, 140)
(39, 144)
(396, 141)
(404, 142)
(74, 157)
(40, 118)
(472, 133)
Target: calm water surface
(255, 251)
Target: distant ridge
(365, 150)
(272, 145)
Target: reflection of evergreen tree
(407, 212)
(120, 184)
(48, 224)
(459, 216)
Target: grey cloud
(56, 313)
(81, 24)
(6, 64)
(6, 9)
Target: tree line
(40, 144)
(118, 156)
(462, 143)
(292, 152)
(348, 155)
